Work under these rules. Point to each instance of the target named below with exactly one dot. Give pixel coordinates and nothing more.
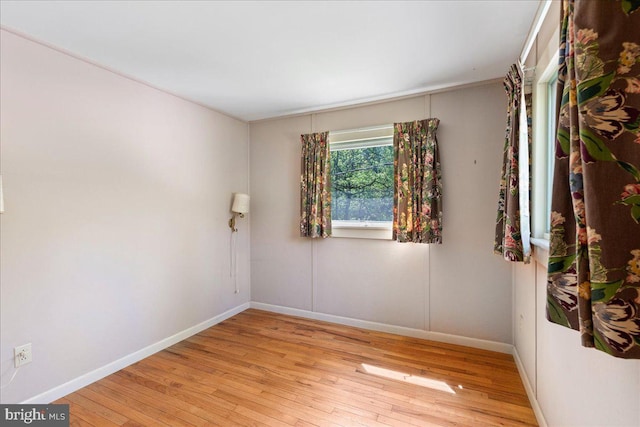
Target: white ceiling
(255, 60)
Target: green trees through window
(362, 184)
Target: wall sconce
(240, 207)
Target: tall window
(362, 179)
(551, 138)
(544, 121)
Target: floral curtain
(594, 258)
(417, 199)
(512, 223)
(315, 186)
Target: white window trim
(376, 136)
(358, 232)
(546, 69)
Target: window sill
(540, 243)
(541, 251)
(364, 230)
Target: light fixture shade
(240, 203)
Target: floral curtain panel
(512, 223)
(417, 200)
(594, 259)
(315, 186)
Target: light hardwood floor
(259, 368)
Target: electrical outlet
(22, 355)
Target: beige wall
(115, 234)
(457, 288)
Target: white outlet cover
(22, 355)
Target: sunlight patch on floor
(408, 378)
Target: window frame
(375, 136)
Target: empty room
(320, 213)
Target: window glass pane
(362, 183)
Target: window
(551, 138)
(362, 182)
(543, 148)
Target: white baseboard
(392, 329)
(93, 376)
(537, 410)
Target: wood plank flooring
(264, 369)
